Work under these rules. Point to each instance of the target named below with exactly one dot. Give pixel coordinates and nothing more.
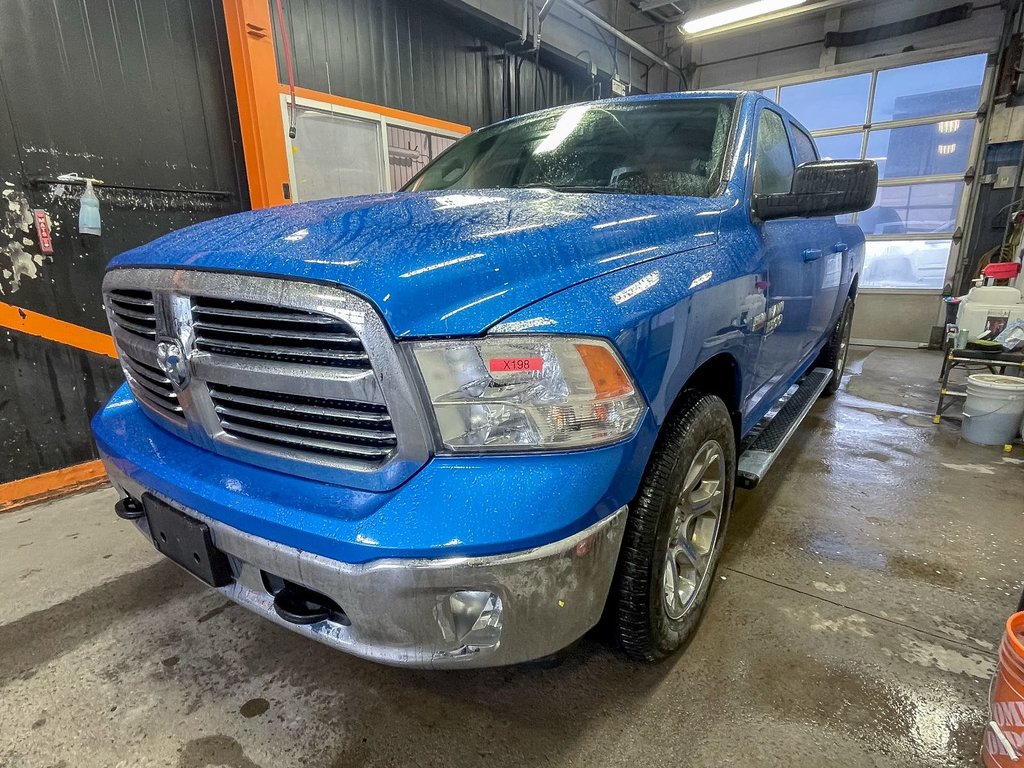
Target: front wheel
(675, 530)
(833, 356)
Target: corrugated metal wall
(137, 93)
(419, 56)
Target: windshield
(672, 147)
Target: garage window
(409, 152)
(339, 151)
(917, 122)
(840, 101)
(335, 155)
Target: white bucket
(993, 410)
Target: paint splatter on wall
(23, 264)
(16, 222)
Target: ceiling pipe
(588, 14)
(543, 14)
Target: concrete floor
(853, 623)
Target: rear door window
(805, 151)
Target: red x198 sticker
(511, 364)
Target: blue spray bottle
(89, 211)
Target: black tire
(643, 623)
(834, 354)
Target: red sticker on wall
(513, 364)
(43, 230)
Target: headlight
(528, 392)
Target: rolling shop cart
(1003, 363)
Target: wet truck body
(431, 428)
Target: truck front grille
(282, 373)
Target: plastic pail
(994, 409)
(1003, 745)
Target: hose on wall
(288, 66)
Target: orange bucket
(1003, 746)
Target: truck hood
(440, 263)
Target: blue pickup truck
(457, 425)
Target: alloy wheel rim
(696, 525)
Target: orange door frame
(258, 93)
(254, 69)
(426, 122)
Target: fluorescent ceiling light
(737, 14)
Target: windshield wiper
(561, 188)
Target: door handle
(840, 248)
(812, 254)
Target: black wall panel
(48, 392)
(420, 56)
(137, 93)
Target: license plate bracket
(187, 542)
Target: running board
(759, 455)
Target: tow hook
(129, 509)
(300, 605)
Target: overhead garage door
(918, 124)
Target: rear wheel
(833, 356)
(675, 531)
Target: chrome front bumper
(443, 613)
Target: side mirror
(825, 188)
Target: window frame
(868, 106)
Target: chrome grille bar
(308, 406)
(266, 331)
(299, 426)
(274, 333)
(267, 351)
(133, 311)
(152, 388)
(358, 429)
(151, 374)
(307, 443)
(254, 312)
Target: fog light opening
(470, 619)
